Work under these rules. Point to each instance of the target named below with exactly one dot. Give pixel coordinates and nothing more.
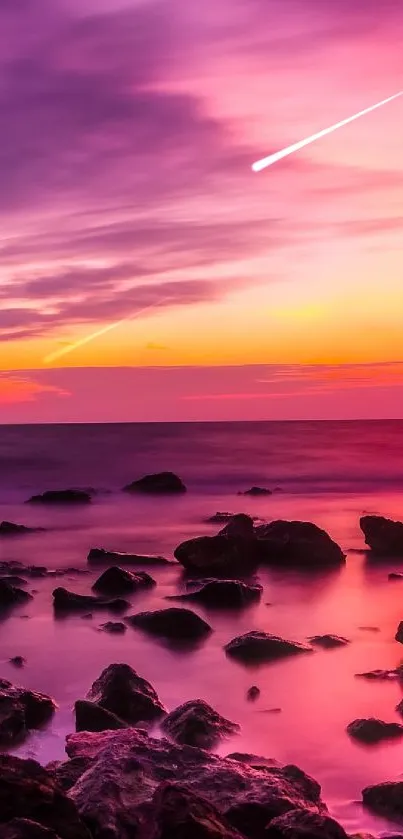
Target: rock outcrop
(196, 723)
(92, 717)
(383, 536)
(298, 544)
(162, 483)
(302, 824)
(254, 647)
(120, 690)
(21, 710)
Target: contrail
(86, 340)
(274, 158)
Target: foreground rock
(11, 595)
(173, 624)
(65, 601)
(61, 496)
(175, 812)
(162, 483)
(385, 799)
(224, 594)
(196, 723)
(399, 633)
(328, 642)
(26, 829)
(9, 528)
(27, 791)
(92, 717)
(298, 544)
(374, 731)
(302, 824)
(120, 690)
(97, 556)
(116, 580)
(128, 766)
(261, 646)
(233, 551)
(21, 711)
(383, 536)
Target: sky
(127, 197)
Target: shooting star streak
(108, 328)
(274, 158)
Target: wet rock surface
(99, 556)
(224, 594)
(298, 544)
(174, 624)
(120, 690)
(196, 723)
(254, 647)
(383, 536)
(373, 730)
(65, 601)
(20, 711)
(161, 483)
(61, 496)
(328, 642)
(115, 581)
(175, 811)
(92, 717)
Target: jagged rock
(162, 483)
(261, 646)
(99, 556)
(383, 536)
(175, 811)
(116, 580)
(66, 601)
(92, 717)
(174, 624)
(328, 642)
(120, 690)
(61, 496)
(223, 594)
(20, 711)
(27, 791)
(257, 491)
(12, 596)
(114, 627)
(67, 772)
(26, 829)
(302, 824)
(373, 731)
(18, 661)
(253, 693)
(385, 799)
(9, 528)
(196, 723)
(298, 544)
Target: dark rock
(120, 690)
(232, 551)
(9, 528)
(162, 483)
(239, 526)
(92, 717)
(116, 580)
(66, 601)
(114, 627)
(399, 708)
(373, 731)
(257, 491)
(302, 824)
(88, 617)
(328, 642)
(383, 536)
(18, 661)
(385, 799)
(399, 633)
(256, 647)
(26, 829)
(176, 812)
(256, 761)
(28, 791)
(395, 575)
(369, 628)
(223, 594)
(13, 580)
(220, 518)
(20, 711)
(253, 693)
(38, 571)
(61, 496)
(12, 596)
(298, 544)
(174, 624)
(67, 773)
(196, 723)
(379, 675)
(99, 556)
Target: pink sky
(128, 134)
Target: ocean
(326, 472)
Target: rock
(302, 824)
(99, 556)
(27, 791)
(67, 773)
(369, 628)
(9, 528)
(257, 491)
(196, 723)
(18, 661)
(120, 690)
(116, 580)
(239, 526)
(399, 708)
(61, 496)
(383, 536)
(12, 596)
(399, 633)
(26, 829)
(13, 580)
(20, 711)
(162, 483)
(92, 717)
(373, 731)
(128, 766)
(385, 799)
(298, 544)
(66, 601)
(253, 693)
(232, 551)
(328, 642)
(379, 675)
(395, 575)
(223, 594)
(174, 624)
(220, 518)
(254, 647)
(114, 627)
(175, 811)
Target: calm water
(330, 473)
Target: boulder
(302, 824)
(67, 601)
(223, 594)
(254, 647)
(386, 799)
(256, 491)
(99, 556)
(239, 526)
(92, 717)
(27, 791)
(374, 731)
(18, 661)
(175, 811)
(120, 690)
(115, 581)
(228, 554)
(9, 528)
(61, 496)
(328, 642)
(298, 544)
(174, 624)
(383, 536)
(12, 596)
(20, 711)
(26, 829)
(399, 633)
(253, 693)
(114, 627)
(196, 723)
(162, 483)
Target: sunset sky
(128, 130)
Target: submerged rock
(20, 711)
(385, 799)
(67, 601)
(116, 580)
(61, 496)
(224, 594)
(383, 536)
(175, 811)
(18, 661)
(114, 627)
(196, 723)
(9, 528)
(257, 491)
(328, 642)
(373, 731)
(160, 483)
(253, 693)
(92, 717)
(302, 824)
(298, 544)
(120, 690)
(100, 555)
(174, 624)
(11, 595)
(261, 646)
